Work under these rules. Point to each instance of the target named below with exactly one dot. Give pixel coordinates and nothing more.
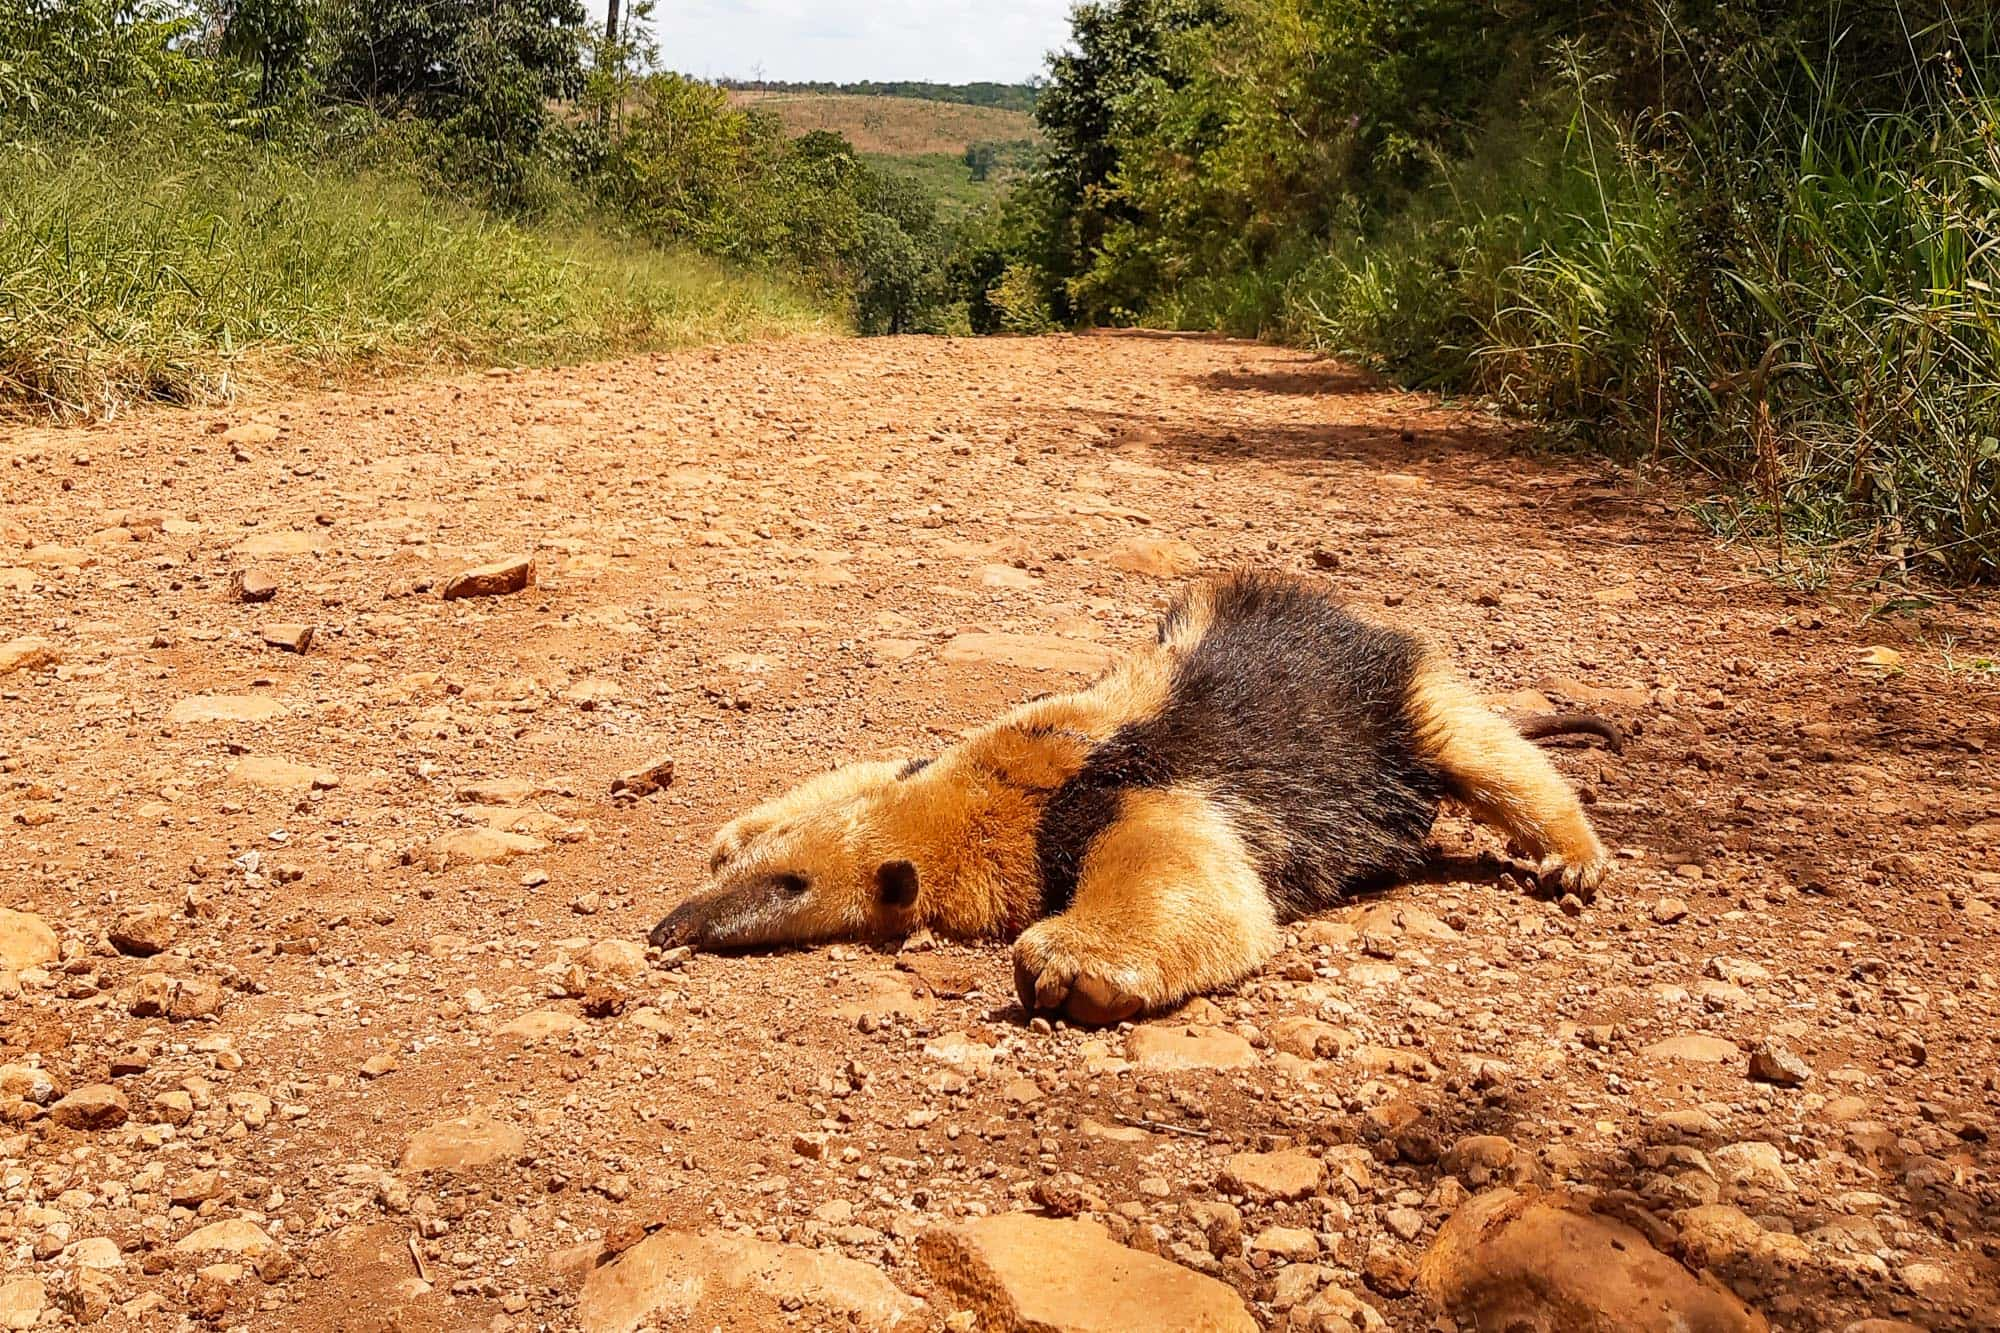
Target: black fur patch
(912, 768)
(1293, 711)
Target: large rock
(1539, 1263)
(25, 941)
(494, 580)
(678, 1275)
(28, 654)
(1020, 1273)
(1035, 652)
(462, 1144)
(1187, 1046)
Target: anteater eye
(791, 882)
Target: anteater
(1269, 755)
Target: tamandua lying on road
(1145, 836)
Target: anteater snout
(682, 926)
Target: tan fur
(829, 788)
(1168, 904)
(1504, 779)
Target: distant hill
(892, 125)
(1007, 96)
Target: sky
(943, 41)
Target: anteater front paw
(1059, 968)
(1580, 875)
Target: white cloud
(946, 41)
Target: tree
(485, 71)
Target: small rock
(25, 941)
(1272, 1176)
(539, 1023)
(485, 846)
(99, 1106)
(616, 958)
(144, 931)
(97, 1252)
(1480, 1159)
(225, 708)
(254, 585)
(645, 779)
(1034, 652)
(1165, 1046)
(684, 1279)
(1337, 1310)
(28, 654)
(1669, 910)
(462, 1144)
(1694, 1048)
(231, 1236)
(494, 580)
(287, 635)
(1388, 1271)
(22, 1300)
(1775, 1062)
(1288, 1243)
(1164, 558)
(1756, 1164)
(1405, 1223)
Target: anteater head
(831, 872)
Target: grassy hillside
(132, 271)
(892, 126)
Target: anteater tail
(1544, 725)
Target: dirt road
(341, 1017)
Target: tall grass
(1812, 316)
(177, 269)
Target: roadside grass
(153, 270)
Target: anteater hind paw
(1058, 970)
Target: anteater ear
(895, 884)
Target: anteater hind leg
(1168, 905)
(1505, 779)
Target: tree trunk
(611, 22)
